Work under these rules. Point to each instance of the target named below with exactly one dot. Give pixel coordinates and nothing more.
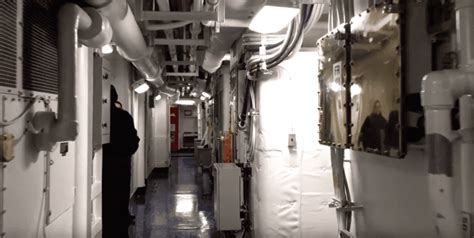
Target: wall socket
(291, 140)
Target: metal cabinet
(227, 196)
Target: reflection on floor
(175, 205)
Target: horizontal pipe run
(178, 74)
(179, 16)
(178, 62)
(164, 41)
(165, 26)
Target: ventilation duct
(129, 40)
(219, 46)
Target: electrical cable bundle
(294, 38)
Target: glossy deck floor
(176, 204)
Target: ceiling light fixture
(185, 102)
(206, 94)
(107, 49)
(140, 86)
(273, 17)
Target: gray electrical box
(227, 196)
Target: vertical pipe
(465, 33)
(82, 219)
(337, 164)
(439, 154)
(466, 105)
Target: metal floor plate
(174, 204)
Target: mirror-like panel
(332, 95)
(376, 83)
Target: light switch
(291, 140)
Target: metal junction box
(227, 196)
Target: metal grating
(40, 54)
(8, 38)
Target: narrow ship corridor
(176, 204)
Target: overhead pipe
(164, 5)
(440, 90)
(129, 39)
(75, 25)
(165, 26)
(195, 31)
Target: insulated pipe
(238, 23)
(129, 39)
(465, 33)
(165, 26)
(91, 29)
(220, 44)
(439, 91)
(195, 31)
(440, 178)
(466, 105)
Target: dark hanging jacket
(123, 136)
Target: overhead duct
(219, 46)
(129, 39)
(75, 25)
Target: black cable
(293, 44)
(243, 114)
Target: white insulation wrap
(291, 186)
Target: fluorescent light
(226, 57)
(158, 97)
(185, 102)
(140, 86)
(355, 90)
(107, 49)
(335, 87)
(206, 94)
(271, 19)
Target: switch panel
(7, 147)
(291, 140)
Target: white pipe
(440, 178)
(465, 33)
(92, 30)
(466, 105)
(195, 31)
(165, 26)
(82, 209)
(129, 39)
(439, 91)
(164, 5)
(238, 23)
